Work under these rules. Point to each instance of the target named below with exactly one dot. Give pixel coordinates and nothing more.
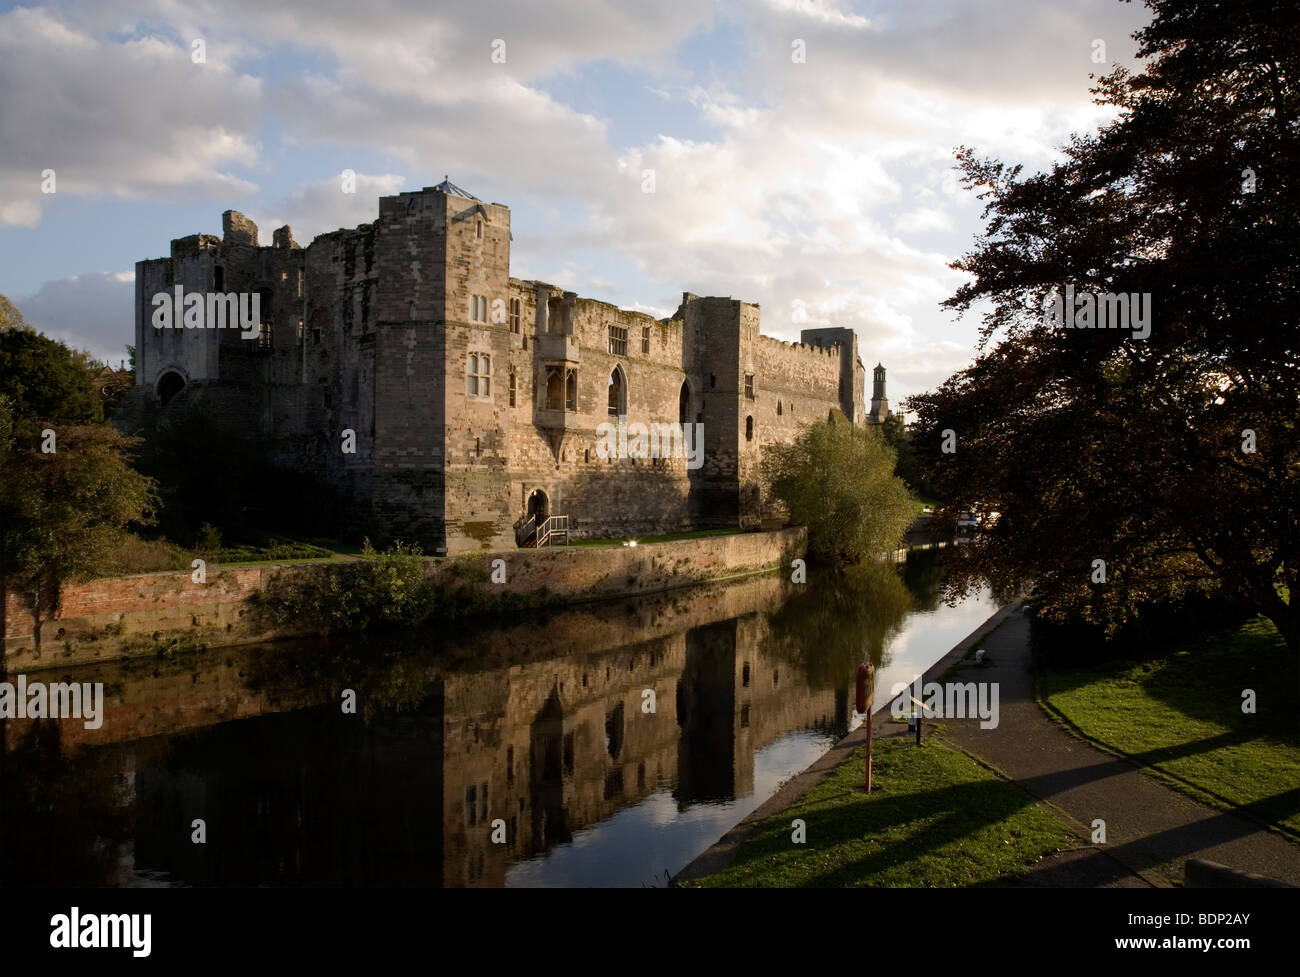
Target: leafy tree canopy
(1173, 458)
(67, 491)
(838, 480)
(41, 377)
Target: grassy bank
(665, 538)
(1178, 712)
(934, 818)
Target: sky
(801, 151)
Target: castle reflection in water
(542, 729)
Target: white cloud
(923, 219)
(805, 193)
(130, 119)
(322, 206)
(93, 311)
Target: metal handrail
(528, 531)
(551, 527)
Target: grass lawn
(924, 502)
(668, 538)
(1180, 713)
(934, 818)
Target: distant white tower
(879, 405)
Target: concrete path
(1150, 828)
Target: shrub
(838, 480)
(388, 589)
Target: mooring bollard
(865, 699)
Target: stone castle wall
(374, 330)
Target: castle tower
(879, 404)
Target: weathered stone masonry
(475, 397)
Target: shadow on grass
(937, 819)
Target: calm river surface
(605, 745)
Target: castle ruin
(475, 400)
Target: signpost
(865, 698)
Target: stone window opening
(478, 447)
(478, 375)
(617, 341)
(265, 333)
(684, 404)
(713, 381)
(219, 279)
(749, 428)
(471, 806)
(744, 675)
(778, 408)
(749, 386)
(571, 391)
(302, 332)
(617, 393)
(586, 457)
(512, 386)
(614, 731)
(645, 340)
(554, 388)
(478, 305)
(315, 336)
(514, 315)
(478, 232)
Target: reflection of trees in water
(63, 818)
(387, 672)
(840, 621)
(923, 573)
(963, 576)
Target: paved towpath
(1150, 828)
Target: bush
(838, 480)
(388, 589)
(209, 540)
(132, 554)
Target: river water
(603, 745)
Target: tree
(838, 480)
(41, 377)
(899, 439)
(67, 491)
(1126, 469)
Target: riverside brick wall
(126, 617)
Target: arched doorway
(538, 506)
(169, 385)
(684, 405)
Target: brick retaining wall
(129, 616)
